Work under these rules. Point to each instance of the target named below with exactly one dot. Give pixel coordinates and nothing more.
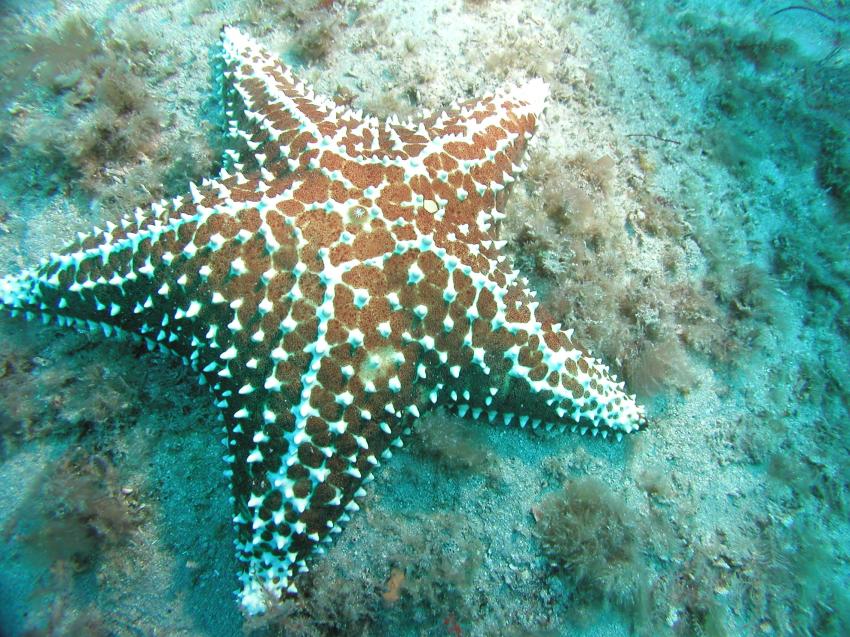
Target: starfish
(337, 278)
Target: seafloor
(686, 209)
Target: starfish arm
(298, 458)
(107, 280)
(339, 392)
(154, 275)
(486, 346)
(274, 120)
(475, 149)
(522, 368)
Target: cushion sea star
(337, 278)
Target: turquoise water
(685, 210)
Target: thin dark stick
(803, 8)
(831, 55)
(659, 138)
